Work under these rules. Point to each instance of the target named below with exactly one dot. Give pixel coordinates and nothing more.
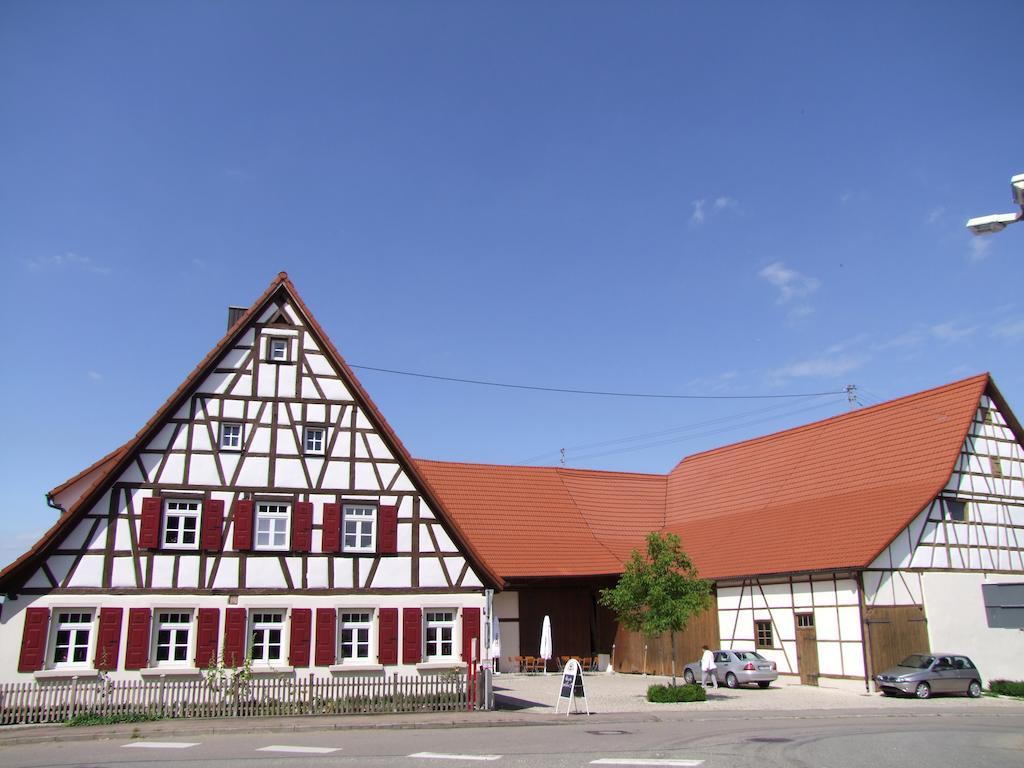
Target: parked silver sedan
(923, 674)
(736, 668)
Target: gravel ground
(608, 693)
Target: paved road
(811, 739)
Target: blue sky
(693, 198)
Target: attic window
(997, 466)
(277, 350)
(987, 416)
(956, 511)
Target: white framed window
(71, 633)
(181, 524)
(355, 635)
(170, 638)
(266, 636)
(272, 524)
(440, 633)
(313, 439)
(358, 526)
(277, 349)
(231, 436)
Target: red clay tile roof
(827, 495)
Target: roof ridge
(923, 394)
(556, 469)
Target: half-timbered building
(266, 512)
(836, 547)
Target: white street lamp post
(997, 222)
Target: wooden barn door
(894, 632)
(806, 649)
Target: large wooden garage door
(894, 632)
(701, 629)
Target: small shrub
(1007, 687)
(90, 718)
(673, 694)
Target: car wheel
(974, 689)
(923, 691)
(688, 677)
(731, 681)
(887, 693)
(763, 684)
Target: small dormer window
(277, 350)
(956, 511)
(313, 440)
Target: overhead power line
(598, 393)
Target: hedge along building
(835, 547)
(266, 510)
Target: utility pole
(562, 460)
(851, 395)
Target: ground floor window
(172, 631)
(266, 631)
(440, 626)
(763, 634)
(355, 636)
(71, 638)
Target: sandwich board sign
(572, 688)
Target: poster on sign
(572, 688)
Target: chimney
(234, 313)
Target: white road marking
(645, 761)
(441, 756)
(304, 750)
(162, 744)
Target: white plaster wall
(12, 619)
(956, 623)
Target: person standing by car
(707, 668)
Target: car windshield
(917, 661)
(748, 656)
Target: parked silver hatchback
(922, 674)
(735, 668)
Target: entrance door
(806, 649)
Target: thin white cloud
(950, 332)
(724, 202)
(1010, 331)
(979, 249)
(935, 214)
(790, 283)
(94, 375)
(846, 196)
(698, 215)
(824, 367)
(66, 260)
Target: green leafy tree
(658, 592)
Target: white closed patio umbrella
(545, 642)
(494, 649)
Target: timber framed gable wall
(271, 423)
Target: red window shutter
(387, 636)
(331, 541)
(149, 528)
(208, 625)
(234, 637)
(302, 526)
(326, 626)
(412, 635)
(136, 650)
(470, 632)
(387, 529)
(33, 639)
(298, 646)
(241, 538)
(108, 641)
(213, 524)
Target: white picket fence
(52, 702)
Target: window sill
(261, 670)
(65, 673)
(356, 668)
(428, 666)
(170, 672)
